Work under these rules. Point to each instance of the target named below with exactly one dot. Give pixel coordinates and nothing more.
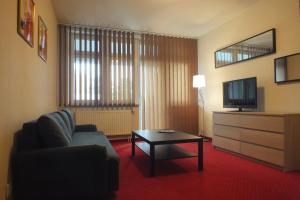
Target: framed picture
(26, 13)
(42, 39)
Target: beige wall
(264, 15)
(27, 84)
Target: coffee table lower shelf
(166, 151)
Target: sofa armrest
(64, 172)
(85, 128)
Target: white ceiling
(190, 18)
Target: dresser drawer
(262, 153)
(226, 119)
(227, 131)
(266, 123)
(228, 144)
(268, 139)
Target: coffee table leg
(133, 144)
(200, 155)
(152, 160)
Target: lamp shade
(198, 81)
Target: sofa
(56, 159)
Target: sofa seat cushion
(98, 138)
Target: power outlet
(8, 191)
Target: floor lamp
(199, 82)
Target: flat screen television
(240, 93)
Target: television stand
(269, 137)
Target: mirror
(287, 68)
(253, 47)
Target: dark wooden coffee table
(161, 146)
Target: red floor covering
(225, 176)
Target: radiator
(111, 122)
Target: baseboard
(120, 138)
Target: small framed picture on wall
(26, 13)
(42, 39)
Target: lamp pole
(202, 102)
(199, 82)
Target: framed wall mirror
(256, 46)
(287, 68)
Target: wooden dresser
(269, 137)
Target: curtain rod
(128, 30)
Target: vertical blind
(96, 67)
(167, 65)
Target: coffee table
(161, 146)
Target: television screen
(240, 93)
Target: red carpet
(225, 176)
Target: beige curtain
(167, 65)
(96, 67)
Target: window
(96, 67)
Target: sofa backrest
(59, 119)
(66, 120)
(28, 139)
(71, 117)
(52, 131)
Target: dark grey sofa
(55, 159)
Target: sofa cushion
(66, 120)
(70, 114)
(90, 138)
(28, 139)
(51, 133)
(61, 122)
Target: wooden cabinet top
(279, 114)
